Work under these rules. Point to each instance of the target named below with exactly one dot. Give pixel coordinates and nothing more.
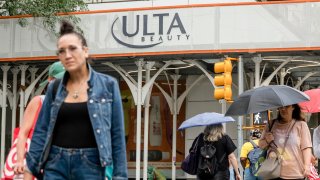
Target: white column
(174, 125)
(282, 75)
(139, 94)
(15, 72)
(147, 66)
(33, 71)
(257, 60)
(138, 123)
(251, 85)
(23, 69)
(267, 81)
(5, 69)
(176, 103)
(240, 118)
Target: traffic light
(223, 81)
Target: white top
(316, 142)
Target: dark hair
(68, 28)
(255, 133)
(296, 113)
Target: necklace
(76, 93)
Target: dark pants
(220, 175)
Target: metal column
(148, 66)
(33, 71)
(23, 69)
(174, 125)
(138, 121)
(240, 91)
(5, 69)
(15, 72)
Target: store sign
(149, 30)
(246, 28)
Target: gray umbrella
(265, 98)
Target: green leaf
(47, 9)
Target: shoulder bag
(271, 167)
(190, 163)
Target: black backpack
(208, 163)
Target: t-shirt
(246, 148)
(224, 146)
(299, 139)
(316, 142)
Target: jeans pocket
(91, 159)
(52, 158)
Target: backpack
(207, 165)
(256, 156)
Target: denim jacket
(106, 116)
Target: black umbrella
(265, 98)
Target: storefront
(124, 40)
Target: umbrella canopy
(265, 98)
(313, 105)
(204, 119)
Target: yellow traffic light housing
(223, 93)
(224, 80)
(222, 67)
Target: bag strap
(270, 127)
(54, 92)
(253, 144)
(287, 137)
(222, 157)
(195, 144)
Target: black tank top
(73, 128)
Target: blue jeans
(249, 176)
(73, 164)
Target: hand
(238, 177)
(269, 137)
(18, 168)
(272, 154)
(307, 170)
(27, 176)
(314, 160)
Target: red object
(313, 173)
(313, 105)
(8, 173)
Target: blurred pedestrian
(245, 150)
(81, 130)
(316, 142)
(25, 131)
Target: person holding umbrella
(224, 151)
(296, 147)
(213, 134)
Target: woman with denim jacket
(80, 129)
